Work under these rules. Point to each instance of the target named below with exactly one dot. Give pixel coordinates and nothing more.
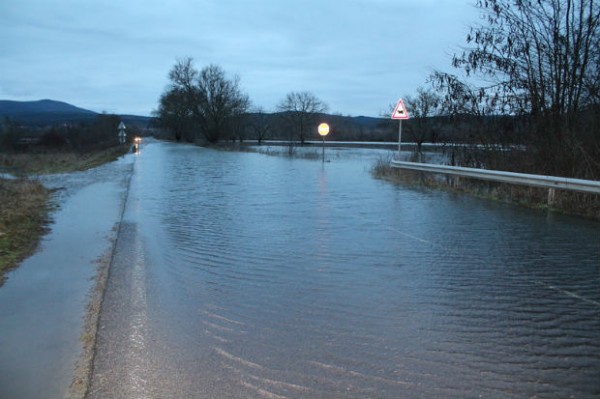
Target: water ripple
(309, 281)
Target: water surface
(266, 277)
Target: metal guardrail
(550, 182)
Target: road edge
(84, 368)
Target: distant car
(136, 144)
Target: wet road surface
(43, 302)
(241, 275)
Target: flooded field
(254, 276)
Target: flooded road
(241, 275)
(43, 302)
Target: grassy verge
(47, 162)
(24, 202)
(578, 204)
(23, 216)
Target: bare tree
(237, 127)
(210, 97)
(299, 111)
(541, 59)
(174, 114)
(422, 108)
(220, 99)
(261, 124)
(537, 51)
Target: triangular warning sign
(400, 111)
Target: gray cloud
(114, 56)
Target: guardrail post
(551, 195)
(456, 181)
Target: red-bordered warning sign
(400, 111)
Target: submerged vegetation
(579, 204)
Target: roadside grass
(578, 204)
(25, 202)
(24, 209)
(57, 161)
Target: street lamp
(323, 131)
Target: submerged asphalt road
(241, 275)
(124, 358)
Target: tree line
(99, 133)
(540, 64)
(207, 105)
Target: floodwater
(255, 276)
(43, 302)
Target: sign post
(400, 113)
(122, 135)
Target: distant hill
(41, 106)
(368, 121)
(140, 121)
(51, 112)
(43, 112)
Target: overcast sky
(358, 56)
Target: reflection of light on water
(323, 187)
(136, 358)
(323, 215)
(137, 144)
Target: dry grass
(46, 162)
(23, 217)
